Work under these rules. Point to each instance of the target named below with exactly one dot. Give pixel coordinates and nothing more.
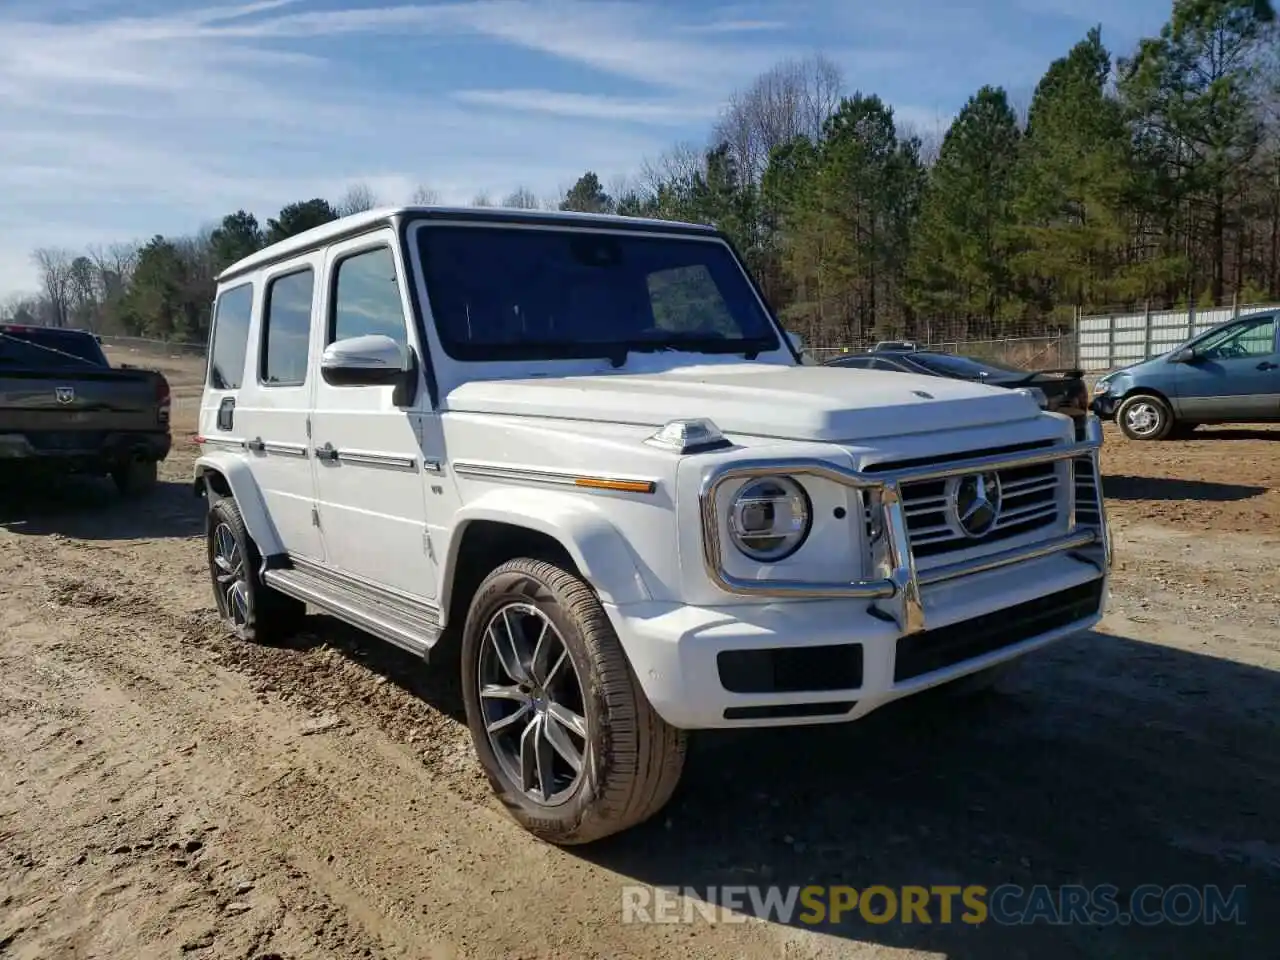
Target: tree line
(1151, 177)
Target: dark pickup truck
(65, 409)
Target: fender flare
(603, 556)
(239, 478)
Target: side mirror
(371, 361)
(1185, 355)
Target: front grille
(1088, 502)
(931, 650)
(1029, 502)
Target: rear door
(273, 415)
(1235, 375)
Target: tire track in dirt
(351, 819)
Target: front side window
(286, 329)
(231, 315)
(500, 293)
(1252, 338)
(367, 298)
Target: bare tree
(114, 265)
(424, 196)
(793, 98)
(680, 166)
(21, 308)
(358, 198)
(521, 198)
(82, 293)
(55, 277)
(482, 199)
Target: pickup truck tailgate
(53, 409)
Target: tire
(630, 759)
(1144, 417)
(135, 478)
(250, 609)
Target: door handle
(1268, 365)
(327, 452)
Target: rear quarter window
(231, 315)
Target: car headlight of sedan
(1101, 387)
(770, 518)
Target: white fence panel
(1115, 340)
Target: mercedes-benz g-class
(578, 458)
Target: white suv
(579, 454)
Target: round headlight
(770, 518)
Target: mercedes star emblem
(974, 502)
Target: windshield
(514, 293)
(961, 366)
(47, 348)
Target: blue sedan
(1230, 374)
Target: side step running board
(412, 626)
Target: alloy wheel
(229, 575)
(531, 701)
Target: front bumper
(1104, 406)
(792, 663)
(827, 652)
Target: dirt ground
(167, 792)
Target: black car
(1061, 391)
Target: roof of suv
(358, 223)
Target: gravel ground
(168, 792)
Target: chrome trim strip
(226, 443)
(375, 459)
(284, 449)
(904, 581)
(431, 465)
(1036, 551)
(560, 478)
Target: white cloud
(121, 126)
(735, 26)
(591, 106)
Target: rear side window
(230, 337)
(286, 329)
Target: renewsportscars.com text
(1007, 904)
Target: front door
(370, 485)
(1235, 375)
(272, 415)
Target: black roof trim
(493, 215)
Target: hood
(757, 399)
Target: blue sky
(120, 119)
